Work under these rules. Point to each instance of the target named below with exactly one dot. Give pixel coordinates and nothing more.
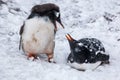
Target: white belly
(85, 66)
(38, 36)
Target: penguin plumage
(38, 31)
(86, 53)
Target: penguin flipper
(20, 43)
(20, 33)
(21, 29)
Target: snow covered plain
(82, 18)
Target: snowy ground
(82, 18)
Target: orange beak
(69, 38)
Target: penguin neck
(45, 18)
(72, 47)
(35, 15)
(72, 53)
(72, 44)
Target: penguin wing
(21, 31)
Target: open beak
(71, 41)
(59, 21)
(69, 38)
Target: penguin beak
(59, 21)
(69, 38)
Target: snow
(81, 18)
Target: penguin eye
(57, 14)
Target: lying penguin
(86, 53)
(38, 31)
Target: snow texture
(82, 18)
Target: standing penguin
(86, 53)
(38, 31)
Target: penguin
(86, 53)
(37, 34)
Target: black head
(79, 53)
(45, 8)
(50, 10)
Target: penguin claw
(51, 61)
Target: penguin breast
(38, 35)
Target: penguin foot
(51, 61)
(50, 58)
(32, 56)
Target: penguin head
(50, 10)
(79, 52)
